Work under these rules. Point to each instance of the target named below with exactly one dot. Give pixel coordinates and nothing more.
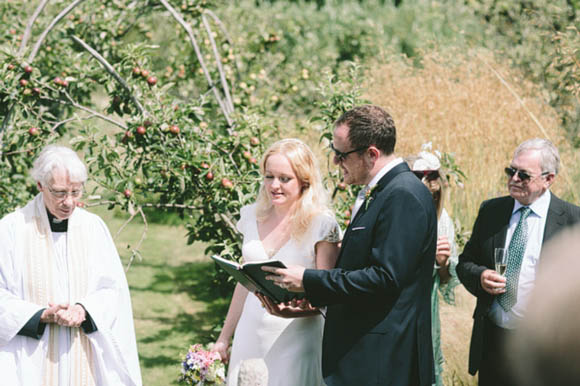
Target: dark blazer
(378, 322)
(489, 232)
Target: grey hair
(61, 158)
(550, 158)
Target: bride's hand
(303, 304)
(221, 348)
(290, 310)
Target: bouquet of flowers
(202, 367)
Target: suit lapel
(554, 219)
(383, 182)
(504, 215)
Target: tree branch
(211, 84)
(226, 218)
(58, 18)
(226, 34)
(218, 60)
(88, 110)
(29, 25)
(135, 251)
(111, 71)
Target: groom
(378, 324)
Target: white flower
(427, 146)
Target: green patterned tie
(516, 251)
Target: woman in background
(427, 167)
(291, 222)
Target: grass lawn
(175, 303)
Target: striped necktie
(516, 252)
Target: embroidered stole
(39, 281)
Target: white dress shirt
(536, 222)
(362, 194)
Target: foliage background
(474, 77)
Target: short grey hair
(550, 158)
(61, 158)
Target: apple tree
(156, 132)
(167, 111)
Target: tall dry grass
(474, 107)
(480, 110)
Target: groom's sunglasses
(430, 175)
(341, 156)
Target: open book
(251, 276)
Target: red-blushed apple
(209, 176)
(128, 193)
(128, 135)
(23, 82)
(254, 141)
(341, 186)
(247, 155)
(136, 71)
(253, 161)
(204, 165)
(141, 130)
(144, 73)
(10, 67)
(226, 183)
(28, 69)
(34, 131)
(152, 81)
(174, 129)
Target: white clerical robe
(82, 266)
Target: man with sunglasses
(521, 223)
(65, 310)
(378, 321)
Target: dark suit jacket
(378, 323)
(489, 232)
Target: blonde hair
(313, 199)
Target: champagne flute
(501, 256)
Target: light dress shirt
(536, 224)
(361, 196)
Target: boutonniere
(369, 196)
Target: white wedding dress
(290, 348)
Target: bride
(290, 222)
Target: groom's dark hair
(370, 125)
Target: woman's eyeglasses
(430, 175)
(522, 175)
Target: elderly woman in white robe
(65, 310)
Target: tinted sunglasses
(430, 175)
(522, 175)
(342, 155)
